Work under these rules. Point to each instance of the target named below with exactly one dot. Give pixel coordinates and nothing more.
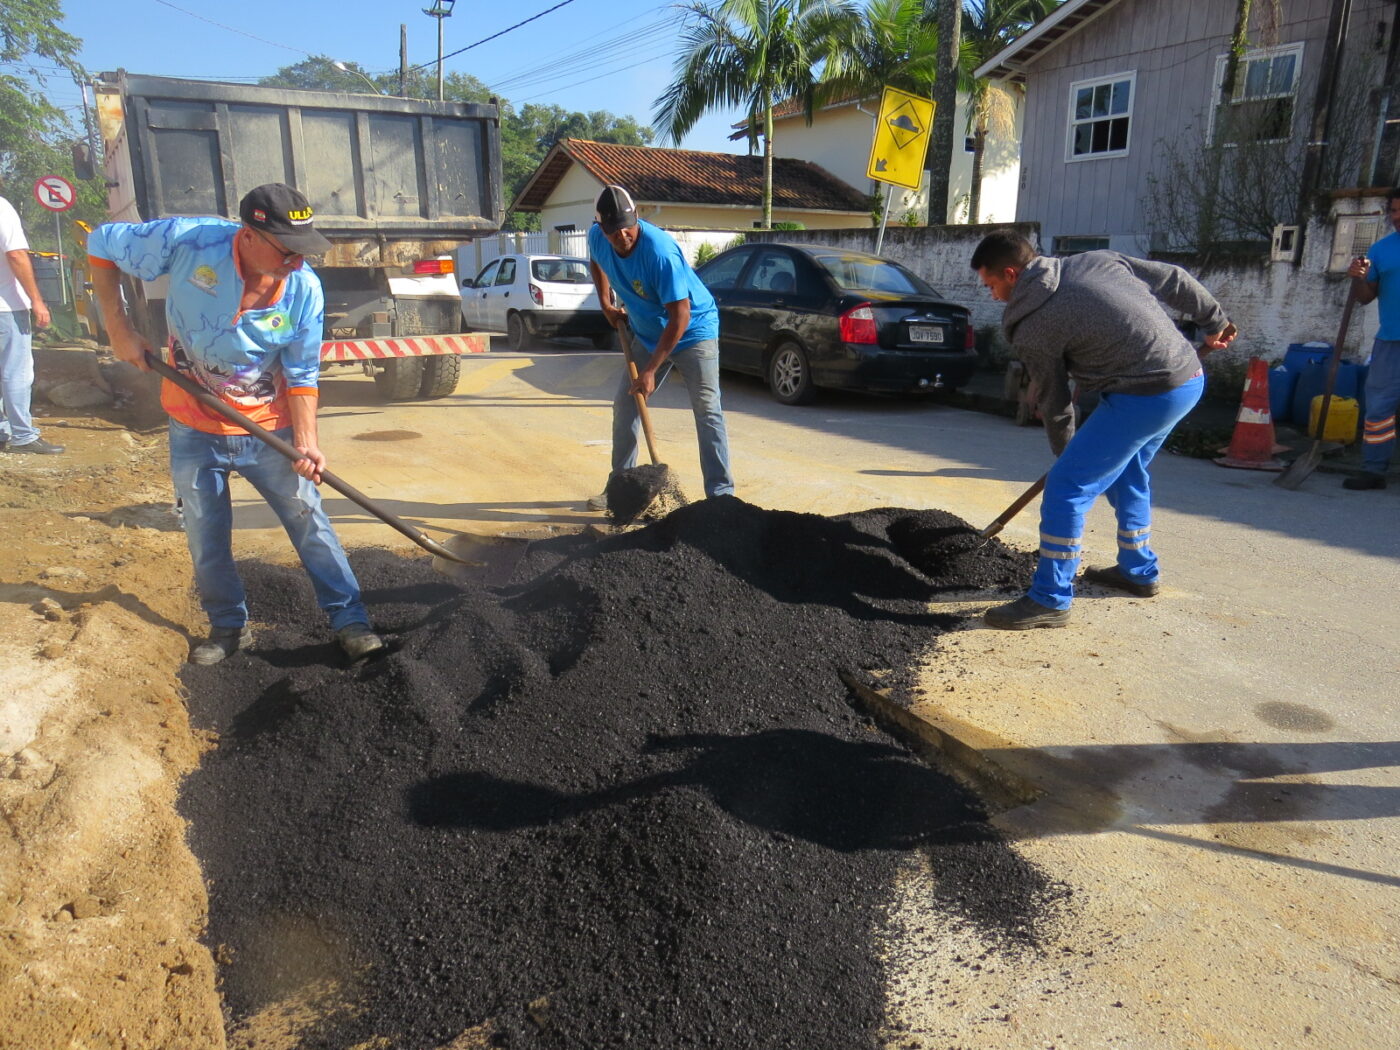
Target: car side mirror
(467, 282)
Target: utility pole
(403, 60)
(441, 9)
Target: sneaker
(359, 642)
(1365, 480)
(1023, 614)
(1112, 577)
(222, 642)
(38, 445)
(598, 502)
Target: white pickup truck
(532, 297)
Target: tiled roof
(684, 176)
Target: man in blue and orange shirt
(245, 317)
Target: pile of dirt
(622, 801)
(101, 902)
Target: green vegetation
(526, 135)
(36, 137)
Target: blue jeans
(698, 365)
(16, 376)
(200, 465)
(1382, 398)
(1108, 454)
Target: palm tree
(750, 53)
(893, 44)
(987, 27)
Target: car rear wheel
(517, 334)
(790, 376)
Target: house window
(1260, 108)
(1100, 116)
(1075, 245)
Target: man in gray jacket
(1097, 318)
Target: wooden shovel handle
(1015, 508)
(624, 335)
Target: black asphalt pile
(953, 554)
(621, 801)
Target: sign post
(57, 194)
(900, 144)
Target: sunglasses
(287, 256)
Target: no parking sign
(54, 192)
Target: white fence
(472, 257)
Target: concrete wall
(1272, 303)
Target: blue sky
(615, 55)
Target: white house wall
(839, 140)
(1172, 49)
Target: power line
(493, 36)
(240, 32)
(607, 50)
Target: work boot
(1023, 614)
(38, 445)
(1365, 480)
(598, 502)
(222, 642)
(359, 642)
(1113, 578)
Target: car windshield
(561, 271)
(867, 273)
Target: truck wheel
(605, 341)
(400, 379)
(517, 334)
(440, 374)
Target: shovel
(630, 492)
(1305, 464)
(1011, 511)
(347, 490)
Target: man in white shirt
(22, 310)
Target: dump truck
(397, 185)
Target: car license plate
(925, 333)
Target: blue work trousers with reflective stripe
(1382, 398)
(1108, 454)
(200, 466)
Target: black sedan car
(805, 316)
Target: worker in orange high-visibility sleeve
(245, 315)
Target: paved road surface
(1218, 765)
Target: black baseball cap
(278, 209)
(616, 209)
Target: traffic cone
(1252, 446)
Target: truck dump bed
(376, 169)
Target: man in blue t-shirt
(1378, 277)
(676, 323)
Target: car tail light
(858, 325)
(536, 294)
(970, 343)
(434, 266)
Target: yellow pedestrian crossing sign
(901, 139)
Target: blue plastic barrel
(1299, 355)
(1312, 381)
(1281, 385)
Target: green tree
(323, 73)
(36, 137)
(755, 54)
